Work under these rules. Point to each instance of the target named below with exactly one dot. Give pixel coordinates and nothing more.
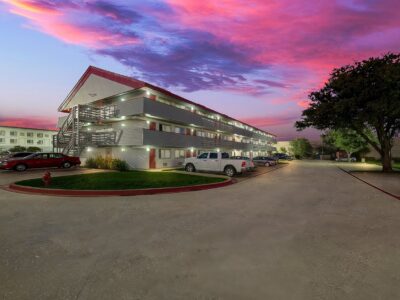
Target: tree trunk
(386, 156)
(349, 156)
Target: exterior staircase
(71, 139)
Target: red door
(153, 126)
(152, 159)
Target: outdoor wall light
(122, 99)
(123, 125)
(192, 108)
(147, 93)
(191, 149)
(123, 118)
(147, 149)
(89, 149)
(89, 129)
(147, 122)
(123, 149)
(217, 149)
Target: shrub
(101, 162)
(17, 149)
(119, 165)
(104, 162)
(33, 149)
(91, 163)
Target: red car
(40, 160)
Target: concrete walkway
(389, 182)
(306, 231)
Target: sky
(256, 61)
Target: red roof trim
(136, 84)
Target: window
(29, 141)
(40, 142)
(2, 140)
(13, 141)
(164, 154)
(179, 130)
(200, 133)
(41, 156)
(166, 128)
(179, 153)
(224, 155)
(39, 135)
(22, 134)
(29, 134)
(203, 156)
(213, 155)
(46, 135)
(210, 135)
(13, 133)
(55, 155)
(2, 132)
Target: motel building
(11, 136)
(149, 127)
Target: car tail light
(243, 164)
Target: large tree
(347, 140)
(365, 95)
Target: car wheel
(66, 165)
(230, 171)
(190, 168)
(20, 167)
(267, 164)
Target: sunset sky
(254, 60)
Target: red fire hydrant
(46, 178)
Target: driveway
(305, 231)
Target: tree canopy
(301, 148)
(347, 140)
(365, 95)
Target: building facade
(26, 137)
(395, 150)
(149, 127)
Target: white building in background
(26, 137)
(149, 127)
(286, 145)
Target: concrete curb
(370, 184)
(134, 192)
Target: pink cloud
(29, 122)
(57, 21)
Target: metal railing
(70, 139)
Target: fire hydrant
(46, 178)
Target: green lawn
(122, 181)
(394, 165)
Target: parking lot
(305, 231)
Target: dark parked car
(283, 156)
(40, 160)
(264, 161)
